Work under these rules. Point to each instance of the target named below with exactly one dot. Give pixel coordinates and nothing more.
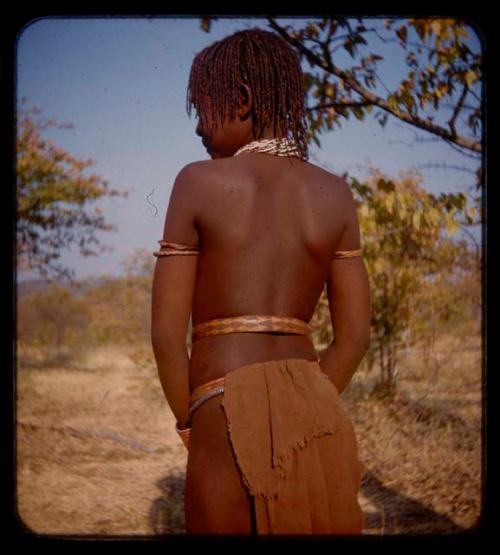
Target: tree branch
(458, 107)
(414, 120)
(340, 104)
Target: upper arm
(348, 285)
(174, 277)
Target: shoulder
(188, 178)
(193, 187)
(335, 186)
(200, 177)
(198, 170)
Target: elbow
(167, 342)
(362, 344)
(367, 340)
(366, 344)
(364, 341)
(359, 343)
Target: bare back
(268, 229)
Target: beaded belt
(235, 324)
(205, 392)
(250, 323)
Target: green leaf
(312, 30)
(389, 202)
(452, 225)
(416, 220)
(386, 185)
(402, 33)
(393, 102)
(364, 210)
(358, 112)
(348, 45)
(433, 215)
(205, 24)
(470, 77)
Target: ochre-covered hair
(269, 66)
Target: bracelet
(183, 434)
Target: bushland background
(96, 450)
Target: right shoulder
(339, 201)
(335, 187)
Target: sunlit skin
(268, 227)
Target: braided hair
(269, 66)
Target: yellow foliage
(52, 197)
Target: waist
(250, 323)
(216, 387)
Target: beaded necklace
(276, 147)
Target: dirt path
(96, 451)
(97, 454)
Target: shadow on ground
(166, 515)
(396, 513)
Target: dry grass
(96, 450)
(423, 447)
(97, 453)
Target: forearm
(172, 363)
(341, 360)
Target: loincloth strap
(204, 393)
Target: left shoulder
(200, 167)
(192, 176)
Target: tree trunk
(370, 360)
(391, 365)
(382, 364)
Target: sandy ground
(97, 453)
(96, 450)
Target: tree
(52, 318)
(53, 196)
(121, 307)
(451, 68)
(445, 85)
(421, 278)
(407, 235)
(407, 232)
(451, 299)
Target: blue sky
(122, 83)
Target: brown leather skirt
(294, 445)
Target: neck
(277, 146)
(266, 134)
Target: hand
(183, 425)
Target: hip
(213, 357)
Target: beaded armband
(167, 248)
(348, 254)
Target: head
(244, 87)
